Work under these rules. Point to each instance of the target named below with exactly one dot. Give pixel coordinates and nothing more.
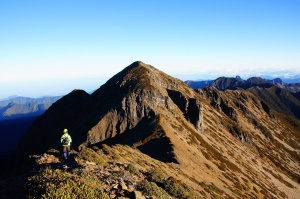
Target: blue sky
(51, 47)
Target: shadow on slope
(148, 137)
(278, 99)
(11, 131)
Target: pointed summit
(134, 107)
(239, 78)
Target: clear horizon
(43, 88)
(53, 47)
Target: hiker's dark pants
(66, 149)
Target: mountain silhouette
(223, 83)
(27, 100)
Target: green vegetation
(49, 183)
(157, 175)
(114, 155)
(132, 169)
(172, 186)
(73, 152)
(54, 152)
(151, 189)
(95, 148)
(90, 155)
(178, 190)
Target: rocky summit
(215, 144)
(135, 107)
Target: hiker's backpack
(66, 140)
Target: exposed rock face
(219, 101)
(191, 108)
(223, 83)
(239, 101)
(242, 136)
(267, 109)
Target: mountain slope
(231, 141)
(279, 99)
(14, 110)
(275, 94)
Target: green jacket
(63, 137)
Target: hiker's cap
(65, 130)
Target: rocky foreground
(120, 172)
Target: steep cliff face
(190, 107)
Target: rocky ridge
(223, 83)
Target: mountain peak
(139, 63)
(135, 64)
(134, 107)
(239, 78)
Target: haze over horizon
(53, 47)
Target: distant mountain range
(232, 83)
(286, 80)
(16, 115)
(15, 107)
(13, 110)
(25, 100)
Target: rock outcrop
(190, 107)
(219, 101)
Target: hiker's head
(65, 130)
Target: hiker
(66, 143)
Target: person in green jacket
(66, 143)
